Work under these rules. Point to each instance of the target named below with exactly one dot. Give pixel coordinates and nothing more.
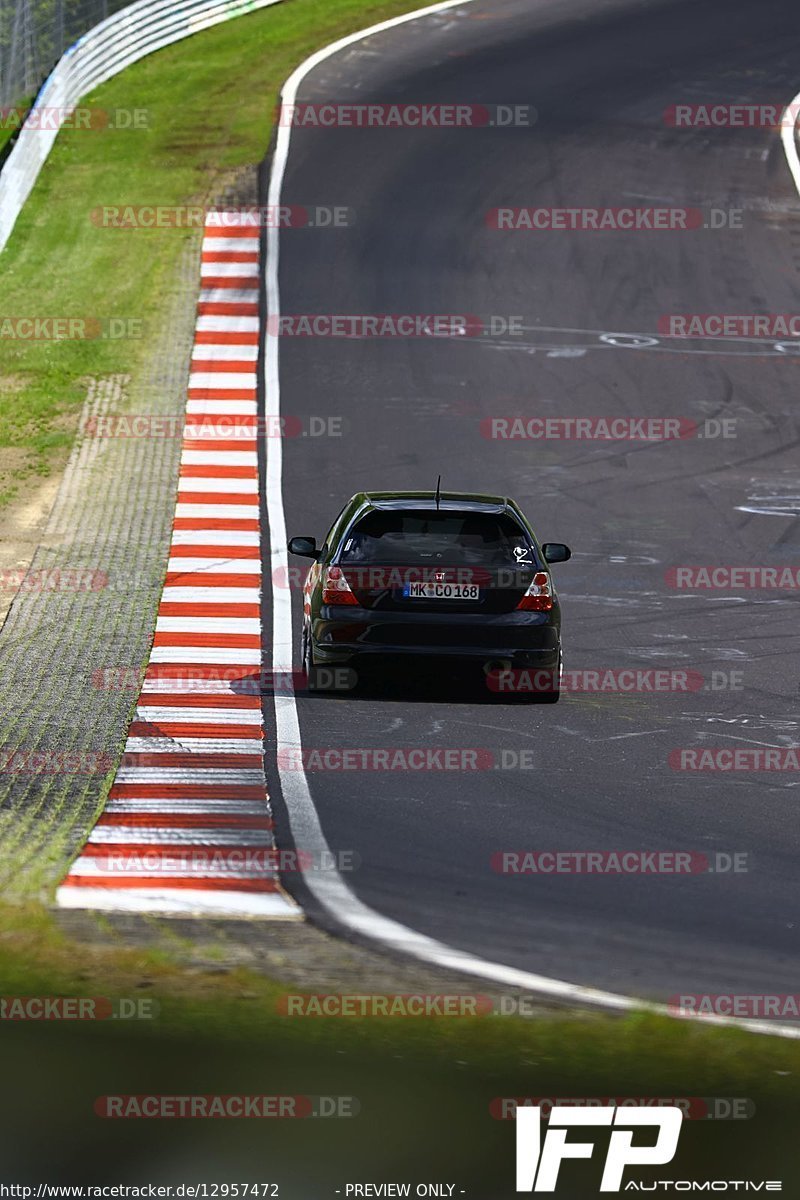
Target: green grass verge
(220, 1031)
(209, 104)
(658, 1054)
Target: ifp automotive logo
(538, 1163)
(539, 1160)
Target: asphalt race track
(601, 76)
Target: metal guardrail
(104, 51)
(35, 33)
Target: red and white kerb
(187, 825)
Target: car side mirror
(306, 547)
(556, 552)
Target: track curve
(601, 77)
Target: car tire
(307, 659)
(554, 696)
(304, 649)
(310, 668)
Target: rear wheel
(305, 650)
(318, 679)
(554, 696)
(307, 660)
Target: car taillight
(335, 588)
(538, 597)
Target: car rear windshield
(474, 538)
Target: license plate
(441, 591)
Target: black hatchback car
(436, 576)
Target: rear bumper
(526, 638)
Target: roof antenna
(438, 485)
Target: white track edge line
(329, 888)
(788, 128)
(186, 902)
